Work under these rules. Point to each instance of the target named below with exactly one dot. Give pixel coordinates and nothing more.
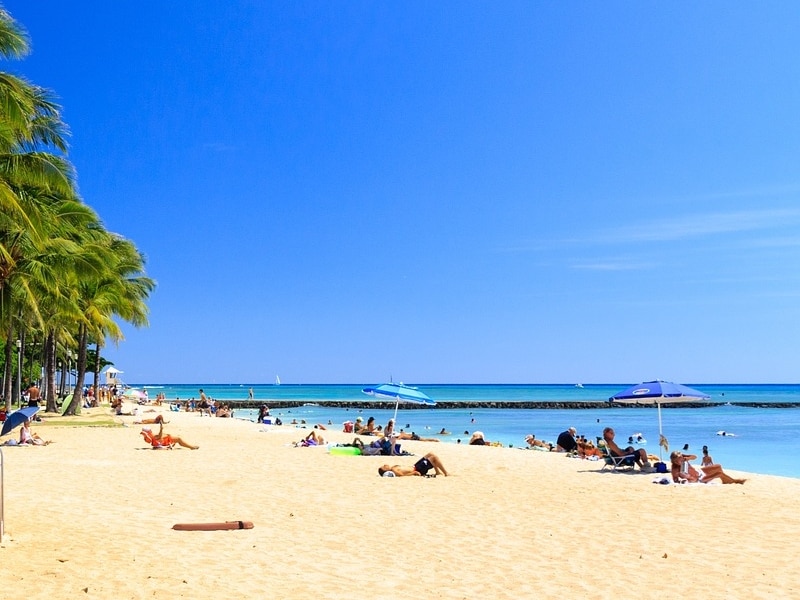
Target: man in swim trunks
(420, 468)
(638, 455)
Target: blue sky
(469, 192)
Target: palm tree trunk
(7, 371)
(50, 372)
(96, 367)
(80, 372)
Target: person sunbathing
(420, 468)
(587, 448)
(157, 419)
(389, 432)
(684, 472)
(639, 455)
(312, 439)
(533, 443)
(162, 440)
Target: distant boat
(277, 380)
(580, 385)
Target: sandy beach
(91, 516)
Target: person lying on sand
(162, 440)
(404, 435)
(420, 468)
(532, 442)
(312, 439)
(153, 421)
(684, 472)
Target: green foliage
(63, 277)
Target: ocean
(752, 440)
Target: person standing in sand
(33, 395)
(203, 405)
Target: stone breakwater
(581, 405)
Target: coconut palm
(61, 272)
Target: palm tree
(61, 272)
(119, 289)
(14, 41)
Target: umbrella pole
(395, 411)
(660, 432)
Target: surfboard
(65, 404)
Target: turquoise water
(756, 446)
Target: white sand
(90, 516)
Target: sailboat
(277, 380)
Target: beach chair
(617, 463)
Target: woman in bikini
(684, 472)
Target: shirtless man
(420, 468)
(640, 455)
(33, 395)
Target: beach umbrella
(17, 418)
(658, 392)
(399, 393)
(134, 394)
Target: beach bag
(661, 467)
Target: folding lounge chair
(617, 463)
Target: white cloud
(692, 226)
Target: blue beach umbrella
(399, 393)
(658, 392)
(17, 418)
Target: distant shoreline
(520, 404)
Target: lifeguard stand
(112, 377)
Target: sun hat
(359, 418)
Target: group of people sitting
(369, 428)
(568, 441)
